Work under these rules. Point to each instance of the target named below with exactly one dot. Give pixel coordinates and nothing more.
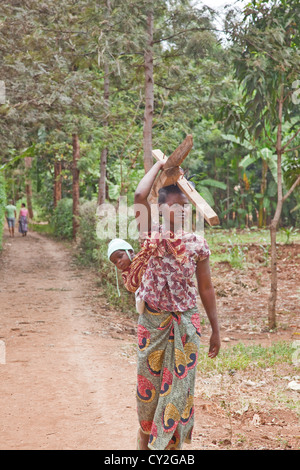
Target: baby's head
(120, 253)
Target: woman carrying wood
(169, 327)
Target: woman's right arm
(142, 206)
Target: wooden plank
(165, 178)
(180, 153)
(159, 155)
(194, 197)
(192, 194)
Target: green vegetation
(241, 357)
(90, 251)
(227, 245)
(61, 220)
(232, 245)
(242, 371)
(202, 87)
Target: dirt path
(69, 378)
(63, 375)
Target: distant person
(11, 215)
(23, 222)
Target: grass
(241, 357)
(41, 228)
(232, 245)
(248, 235)
(253, 377)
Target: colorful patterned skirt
(168, 346)
(23, 225)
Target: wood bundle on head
(172, 174)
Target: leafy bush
(87, 241)
(62, 219)
(2, 207)
(237, 256)
(93, 251)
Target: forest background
(89, 88)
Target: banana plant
(268, 160)
(203, 186)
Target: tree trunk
(149, 94)
(76, 156)
(273, 293)
(104, 153)
(227, 196)
(28, 186)
(102, 189)
(57, 182)
(275, 221)
(263, 188)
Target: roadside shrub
(62, 219)
(87, 241)
(92, 251)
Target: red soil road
(65, 383)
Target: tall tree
(76, 195)
(267, 65)
(104, 152)
(149, 90)
(57, 195)
(40, 63)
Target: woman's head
(168, 192)
(173, 204)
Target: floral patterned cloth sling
(156, 244)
